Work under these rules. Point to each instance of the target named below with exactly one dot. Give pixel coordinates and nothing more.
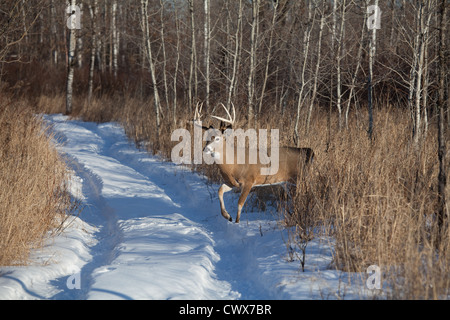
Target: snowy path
(152, 230)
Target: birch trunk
(358, 66)
(372, 52)
(71, 56)
(443, 216)
(163, 48)
(93, 9)
(115, 38)
(251, 74)
(338, 63)
(207, 49)
(235, 56)
(146, 30)
(177, 63)
(266, 72)
(193, 59)
(316, 73)
(423, 32)
(306, 43)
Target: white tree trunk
(93, 9)
(207, 49)
(251, 74)
(146, 31)
(266, 73)
(192, 91)
(115, 38)
(306, 43)
(316, 73)
(372, 52)
(71, 58)
(235, 56)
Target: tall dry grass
(377, 198)
(33, 197)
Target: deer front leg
(224, 188)
(244, 193)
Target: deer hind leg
(244, 193)
(224, 188)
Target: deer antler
(230, 120)
(198, 116)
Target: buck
(248, 174)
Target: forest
(364, 83)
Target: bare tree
(316, 72)
(93, 9)
(115, 38)
(443, 66)
(303, 81)
(269, 53)
(193, 60)
(237, 41)
(372, 52)
(207, 31)
(358, 66)
(72, 23)
(252, 64)
(148, 47)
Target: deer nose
(208, 149)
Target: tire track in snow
(98, 213)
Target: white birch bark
(148, 46)
(316, 73)
(207, 48)
(71, 58)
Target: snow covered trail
(153, 230)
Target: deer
(247, 175)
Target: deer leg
(224, 188)
(244, 193)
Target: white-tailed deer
(247, 174)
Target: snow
(153, 230)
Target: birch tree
(252, 70)
(237, 41)
(269, 53)
(338, 63)
(72, 25)
(443, 216)
(316, 72)
(93, 9)
(358, 66)
(372, 25)
(115, 38)
(192, 85)
(422, 39)
(303, 81)
(207, 31)
(148, 47)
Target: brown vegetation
(34, 199)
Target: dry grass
(32, 182)
(377, 198)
